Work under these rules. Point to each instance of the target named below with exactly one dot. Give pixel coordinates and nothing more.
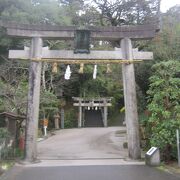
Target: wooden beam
(131, 115)
(92, 104)
(69, 35)
(65, 54)
(91, 99)
(67, 32)
(19, 54)
(69, 55)
(143, 55)
(61, 35)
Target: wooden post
(105, 116)
(56, 121)
(178, 146)
(105, 113)
(33, 101)
(7, 122)
(80, 115)
(83, 116)
(62, 118)
(131, 115)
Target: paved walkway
(85, 143)
(109, 172)
(85, 154)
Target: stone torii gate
(103, 103)
(36, 54)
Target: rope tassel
(108, 70)
(95, 72)
(67, 74)
(81, 69)
(54, 68)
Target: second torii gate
(37, 54)
(103, 103)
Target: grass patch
(171, 168)
(5, 165)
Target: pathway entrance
(85, 143)
(93, 112)
(93, 118)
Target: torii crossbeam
(63, 55)
(67, 32)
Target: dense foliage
(164, 106)
(3, 134)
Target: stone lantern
(56, 120)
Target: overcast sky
(166, 4)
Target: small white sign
(45, 130)
(151, 151)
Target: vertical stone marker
(131, 115)
(33, 101)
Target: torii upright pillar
(131, 115)
(33, 100)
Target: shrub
(4, 133)
(163, 103)
(70, 119)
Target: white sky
(166, 4)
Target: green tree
(13, 86)
(164, 46)
(164, 105)
(126, 12)
(34, 12)
(48, 103)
